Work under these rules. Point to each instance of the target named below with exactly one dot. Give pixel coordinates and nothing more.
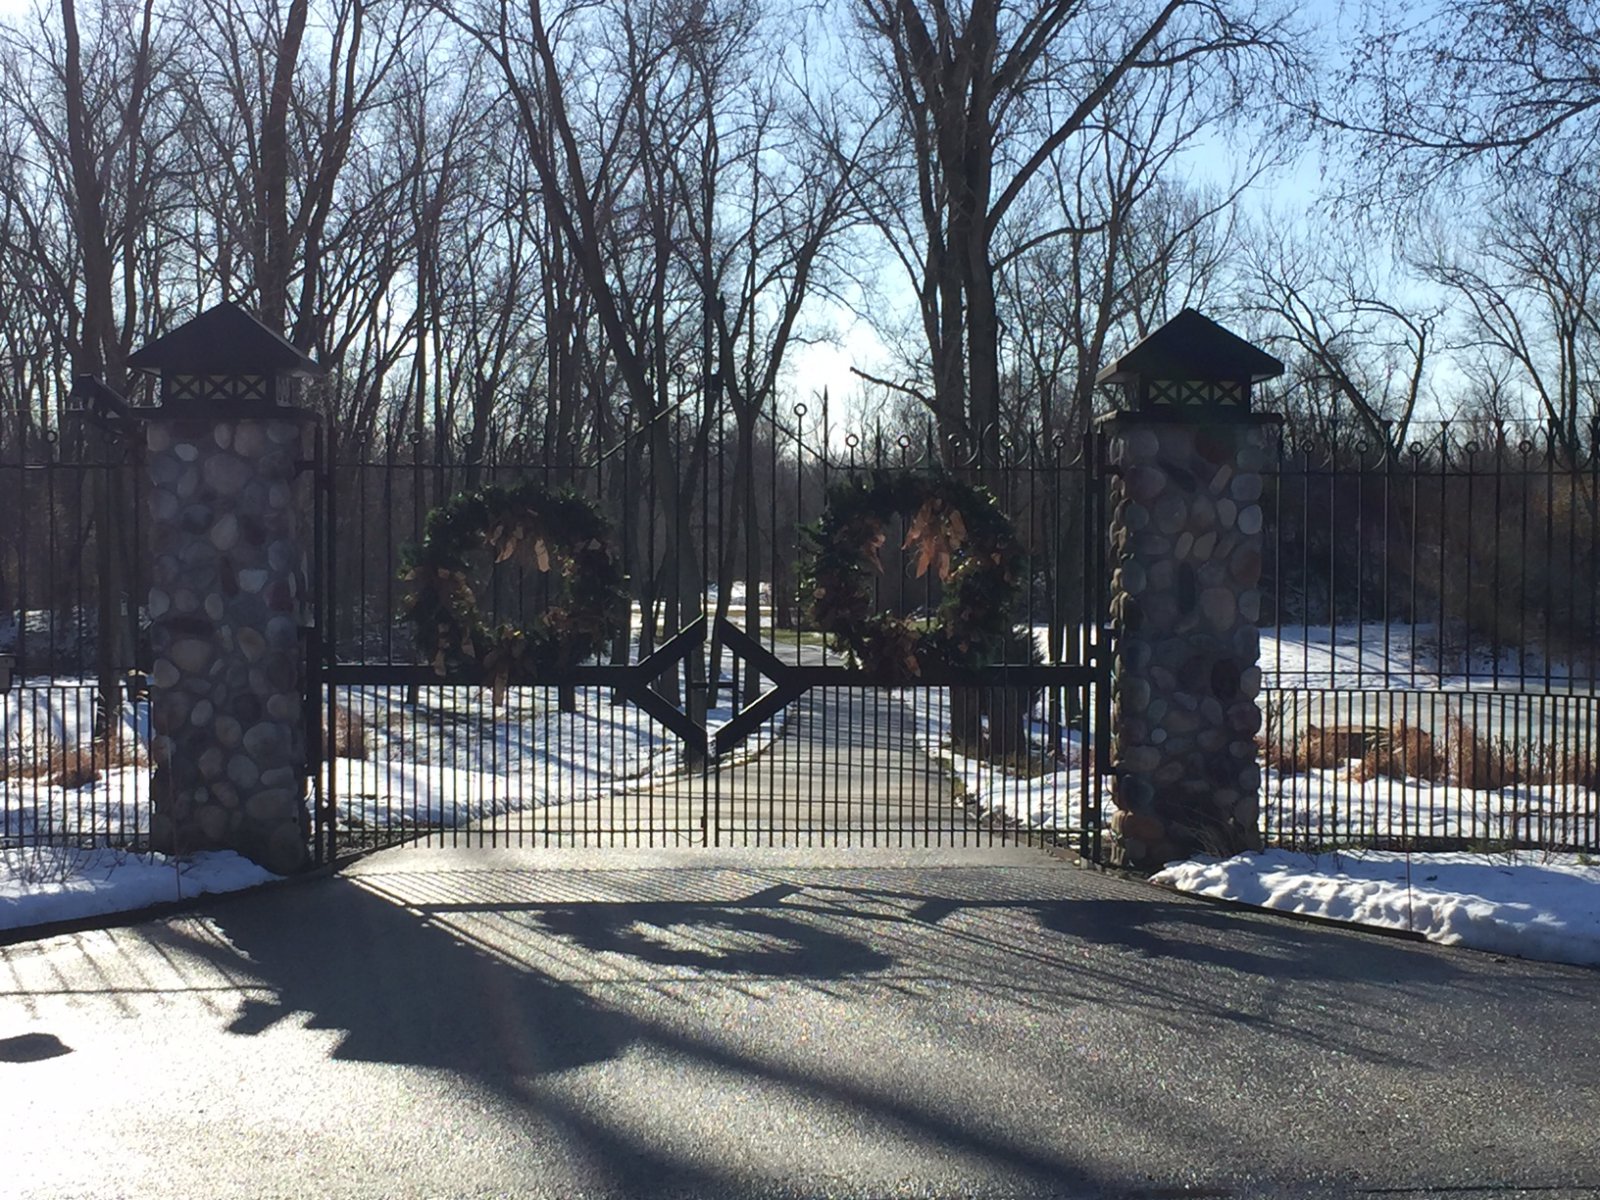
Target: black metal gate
(719, 720)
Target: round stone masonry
(1185, 498)
(227, 708)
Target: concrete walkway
(846, 770)
(724, 1024)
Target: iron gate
(719, 719)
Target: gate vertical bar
(1095, 756)
(318, 759)
(327, 542)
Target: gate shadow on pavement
(404, 989)
(516, 981)
(414, 979)
(401, 990)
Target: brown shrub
(349, 734)
(1415, 753)
(1314, 750)
(73, 766)
(1317, 748)
(1574, 767)
(1403, 752)
(1465, 757)
(1479, 763)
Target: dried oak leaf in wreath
(504, 547)
(935, 533)
(527, 546)
(873, 543)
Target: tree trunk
(273, 280)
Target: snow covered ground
(56, 782)
(1532, 904)
(452, 757)
(449, 758)
(1525, 904)
(1528, 904)
(1048, 796)
(1379, 655)
(43, 884)
(1337, 806)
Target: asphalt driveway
(713, 1023)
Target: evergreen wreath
(557, 533)
(953, 529)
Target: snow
(1523, 903)
(59, 713)
(453, 756)
(1048, 797)
(1334, 805)
(450, 757)
(1532, 904)
(43, 884)
(55, 782)
(1398, 655)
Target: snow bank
(42, 884)
(1526, 904)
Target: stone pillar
(1186, 545)
(228, 746)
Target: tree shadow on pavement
(402, 990)
(754, 939)
(637, 1016)
(1157, 927)
(402, 987)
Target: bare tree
(98, 161)
(766, 195)
(1529, 285)
(604, 97)
(1357, 339)
(273, 120)
(988, 96)
(1503, 88)
(1112, 247)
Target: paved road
(721, 1024)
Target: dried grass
(1459, 756)
(349, 734)
(87, 762)
(74, 766)
(1575, 768)
(1319, 749)
(1483, 764)
(1401, 752)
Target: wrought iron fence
(1430, 641)
(868, 757)
(73, 643)
(1428, 623)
